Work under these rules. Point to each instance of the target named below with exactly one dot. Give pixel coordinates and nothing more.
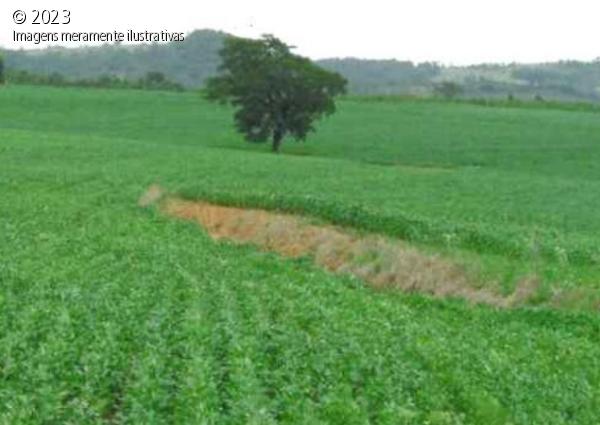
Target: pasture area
(112, 313)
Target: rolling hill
(192, 61)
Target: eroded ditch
(380, 261)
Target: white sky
(448, 31)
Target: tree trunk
(277, 138)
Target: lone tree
(276, 93)
(447, 89)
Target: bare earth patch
(151, 196)
(382, 262)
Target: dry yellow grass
(382, 262)
(151, 196)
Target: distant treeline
(507, 102)
(442, 92)
(151, 81)
(188, 63)
(192, 61)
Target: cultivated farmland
(112, 313)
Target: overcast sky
(448, 31)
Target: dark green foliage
(447, 89)
(493, 102)
(275, 92)
(151, 81)
(157, 81)
(2, 78)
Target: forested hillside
(192, 61)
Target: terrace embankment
(380, 261)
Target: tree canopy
(447, 89)
(275, 92)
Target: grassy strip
(449, 235)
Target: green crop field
(110, 313)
